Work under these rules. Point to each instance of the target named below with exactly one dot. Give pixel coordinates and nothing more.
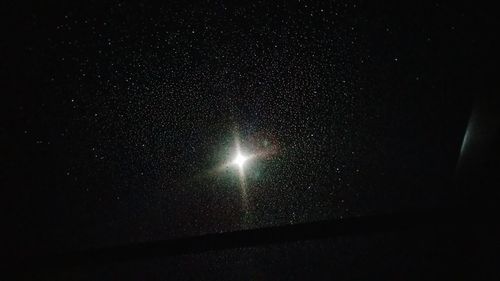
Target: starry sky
(121, 118)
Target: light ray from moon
(239, 160)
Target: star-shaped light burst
(240, 159)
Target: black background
(114, 114)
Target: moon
(240, 159)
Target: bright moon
(240, 160)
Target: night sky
(122, 120)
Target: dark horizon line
(400, 221)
